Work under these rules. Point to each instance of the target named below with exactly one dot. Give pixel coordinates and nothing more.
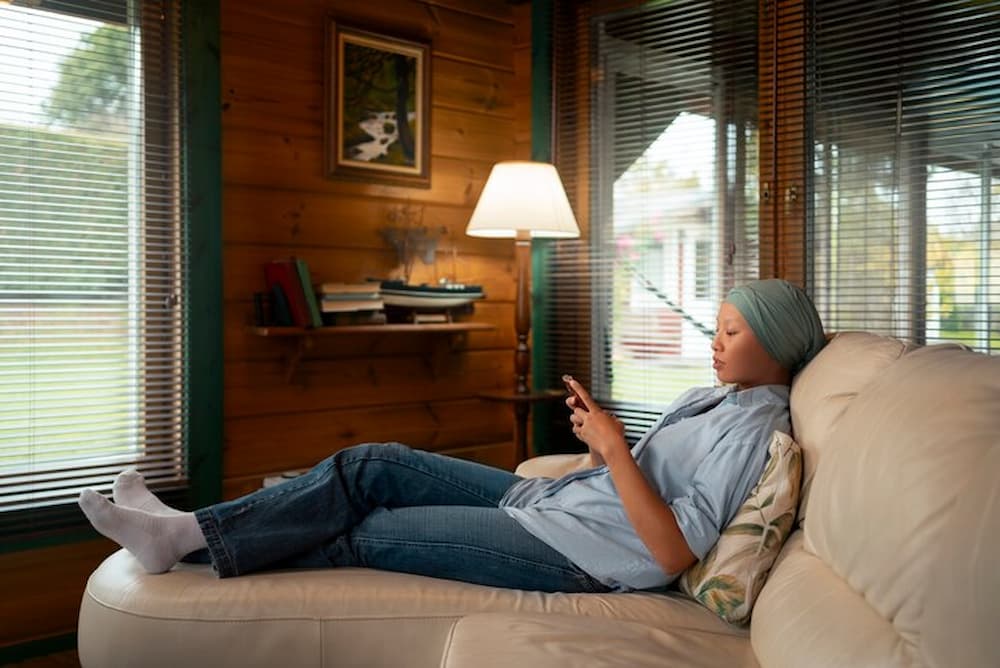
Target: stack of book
(351, 303)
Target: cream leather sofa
(895, 563)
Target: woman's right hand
(603, 432)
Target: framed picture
(378, 107)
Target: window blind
(92, 255)
(656, 141)
(904, 111)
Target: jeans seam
(570, 569)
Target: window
(906, 169)
(666, 192)
(93, 268)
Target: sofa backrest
(902, 531)
(822, 391)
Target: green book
(302, 269)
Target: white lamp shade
(523, 196)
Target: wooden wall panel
(257, 388)
(42, 589)
(273, 217)
(301, 439)
(278, 202)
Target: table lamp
(522, 200)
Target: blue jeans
(389, 507)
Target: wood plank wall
(277, 202)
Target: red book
(285, 274)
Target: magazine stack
(351, 303)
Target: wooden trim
(541, 149)
(784, 147)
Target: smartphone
(579, 402)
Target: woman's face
(738, 357)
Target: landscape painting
(378, 111)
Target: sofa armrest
(552, 466)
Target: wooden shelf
(304, 338)
(388, 328)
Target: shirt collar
(759, 395)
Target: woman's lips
(716, 364)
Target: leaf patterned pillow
(731, 575)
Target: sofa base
(341, 617)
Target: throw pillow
(731, 575)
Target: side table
(522, 406)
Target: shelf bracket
(303, 345)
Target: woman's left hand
(603, 433)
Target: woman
(635, 520)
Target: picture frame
(370, 78)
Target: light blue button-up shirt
(703, 456)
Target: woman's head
(767, 331)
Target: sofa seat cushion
(319, 617)
(503, 640)
(807, 615)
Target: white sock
(157, 541)
(130, 491)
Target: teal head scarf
(783, 318)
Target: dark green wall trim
(40, 647)
(541, 149)
(203, 161)
(541, 80)
(77, 534)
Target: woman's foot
(157, 541)
(130, 491)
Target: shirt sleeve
(720, 484)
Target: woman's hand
(603, 433)
(651, 517)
